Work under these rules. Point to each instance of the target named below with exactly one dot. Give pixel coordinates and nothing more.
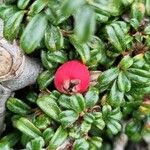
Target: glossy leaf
(33, 33)
(82, 49)
(115, 97)
(77, 103)
(49, 106)
(91, 97)
(22, 4)
(12, 25)
(81, 144)
(84, 23)
(59, 137)
(53, 38)
(18, 106)
(68, 117)
(27, 127)
(124, 84)
(45, 79)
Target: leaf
(77, 103)
(95, 142)
(45, 79)
(81, 144)
(91, 97)
(18, 106)
(140, 72)
(49, 106)
(98, 122)
(4, 146)
(68, 117)
(42, 121)
(54, 39)
(32, 96)
(12, 25)
(57, 57)
(84, 23)
(147, 6)
(126, 62)
(119, 33)
(82, 49)
(133, 130)
(108, 8)
(27, 127)
(35, 144)
(138, 10)
(6, 11)
(59, 137)
(33, 33)
(114, 127)
(48, 134)
(115, 97)
(47, 64)
(89, 118)
(113, 38)
(22, 4)
(107, 77)
(37, 6)
(85, 127)
(68, 7)
(11, 139)
(124, 84)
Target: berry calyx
(72, 77)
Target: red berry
(72, 77)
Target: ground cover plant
(93, 90)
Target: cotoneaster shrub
(111, 36)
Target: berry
(72, 77)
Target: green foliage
(111, 36)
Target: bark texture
(17, 71)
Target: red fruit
(72, 77)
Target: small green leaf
(81, 144)
(17, 106)
(57, 57)
(49, 106)
(11, 139)
(12, 25)
(124, 84)
(59, 137)
(68, 117)
(33, 33)
(37, 6)
(27, 127)
(45, 79)
(68, 7)
(77, 103)
(91, 97)
(22, 4)
(47, 64)
(48, 134)
(95, 142)
(138, 10)
(84, 23)
(82, 49)
(126, 62)
(53, 38)
(147, 6)
(35, 144)
(115, 97)
(107, 77)
(42, 121)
